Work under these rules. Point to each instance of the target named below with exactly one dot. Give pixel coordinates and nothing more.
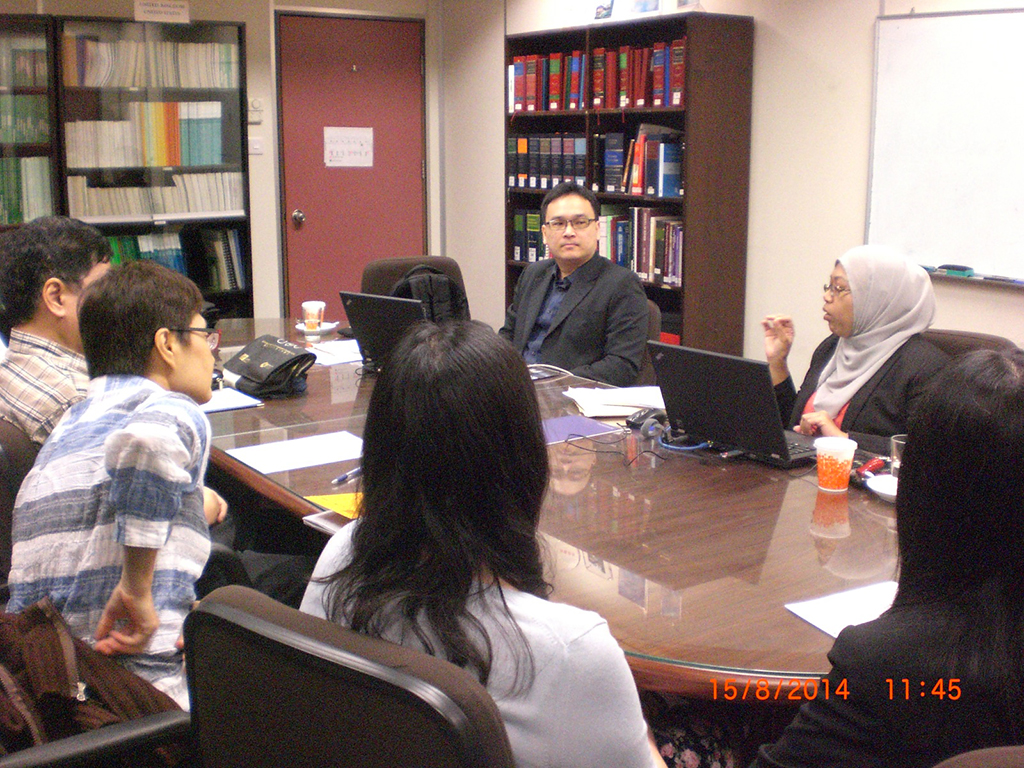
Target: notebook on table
(728, 402)
(378, 322)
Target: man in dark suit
(575, 311)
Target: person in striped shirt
(110, 523)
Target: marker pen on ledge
(344, 478)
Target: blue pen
(350, 475)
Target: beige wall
(813, 70)
(810, 146)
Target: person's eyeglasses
(835, 290)
(577, 222)
(212, 335)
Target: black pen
(344, 478)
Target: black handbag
(269, 368)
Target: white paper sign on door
(348, 147)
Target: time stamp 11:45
(762, 689)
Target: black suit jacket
(907, 725)
(600, 330)
(880, 408)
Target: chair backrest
(956, 343)
(647, 375)
(382, 275)
(993, 757)
(17, 453)
(271, 686)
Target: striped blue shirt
(124, 467)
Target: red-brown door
(346, 73)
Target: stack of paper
(614, 403)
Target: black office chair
(381, 276)
(17, 454)
(647, 375)
(271, 686)
(115, 744)
(956, 343)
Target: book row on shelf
(541, 161)
(24, 119)
(646, 240)
(154, 134)
(25, 189)
(23, 61)
(618, 78)
(221, 248)
(126, 63)
(188, 193)
(650, 164)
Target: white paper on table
(283, 455)
(600, 403)
(854, 606)
(336, 352)
(228, 399)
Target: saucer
(325, 328)
(884, 486)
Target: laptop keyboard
(799, 449)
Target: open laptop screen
(728, 401)
(378, 322)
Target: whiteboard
(947, 143)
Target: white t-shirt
(581, 708)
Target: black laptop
(378, 322)
(728, 402)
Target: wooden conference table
(691, 560)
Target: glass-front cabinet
(27, 107)
(154, 146)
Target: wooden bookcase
(147, 141)
(706, 308)
(28, 139)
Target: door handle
(298, 216)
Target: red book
(642, 92)
(555, 69)
(625, 59)
(531, 83)
(598, 69)
(677, 73)
(611, 78)
(658, 75)
(636, 186)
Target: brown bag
(53, 685)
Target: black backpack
(442, 297)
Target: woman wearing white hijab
(863, 379)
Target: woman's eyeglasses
(835, 290)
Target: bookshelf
(683, 225)
(153, 145)
(27, 108)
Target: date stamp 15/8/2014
(762, 689)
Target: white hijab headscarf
(892, 301)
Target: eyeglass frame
(558, 226)
(212, 335)
(835, 291)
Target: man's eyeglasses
(577, 222)
(835, 290)
(212, 335)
